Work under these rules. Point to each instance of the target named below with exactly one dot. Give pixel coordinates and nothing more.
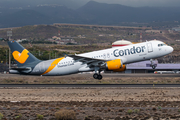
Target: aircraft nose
(170, 49)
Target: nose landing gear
(153, 67)
(152, 64)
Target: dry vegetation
(89, 103)
(65, 115)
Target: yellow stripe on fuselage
(53, 64)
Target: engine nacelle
(114, 64)
(120, 69)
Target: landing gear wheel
(153, 67)
(95, 76)
(99, 77)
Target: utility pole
(9, 34)
(6, 57)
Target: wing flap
(87, 60)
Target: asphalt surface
(140, 75)
(85, 85)
(123, 75)
(104, 75)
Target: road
(86, 85)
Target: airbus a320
(113, 59)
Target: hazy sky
(138, 3)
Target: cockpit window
(159, 45)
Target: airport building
(145, 67)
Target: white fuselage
(127, 54)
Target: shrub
(65, 115)
(136, 110)
(130, 111)
(159, 107)
(19, 116)
(1, 116)
(40, 116)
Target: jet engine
(115, 65)
(120, 69)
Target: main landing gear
(97, 76)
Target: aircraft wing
(88, 61)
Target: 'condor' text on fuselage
(130, 51)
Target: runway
(141, 75)
(88, 85)
(104, 75)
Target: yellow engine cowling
(115, 65)
(120, 69)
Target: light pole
(49, 55)
(9, 34)
(6, 57)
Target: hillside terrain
(94, 38)
(92, 34)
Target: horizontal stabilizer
(22, 70)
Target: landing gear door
(149, 46)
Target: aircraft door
(149, 46)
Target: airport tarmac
(82, 87)
(104, 75)
(88, 79)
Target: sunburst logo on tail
(21, 57)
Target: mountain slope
(24, 17)
(91, 13)
(103, 13)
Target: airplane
(113, 59)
